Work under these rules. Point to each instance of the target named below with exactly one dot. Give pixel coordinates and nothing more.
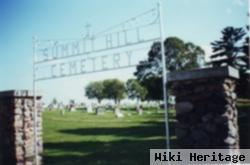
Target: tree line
(232, 49)
(116, 90)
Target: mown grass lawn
(78, 138)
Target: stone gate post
(17, 138)
(206, 108)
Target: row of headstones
(99, 110)
(93, 108)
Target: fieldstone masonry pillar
(206, 108)
(17, 138)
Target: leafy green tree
(114, 89)
(53, 104)
(228, 50)
(232, 50)
(54, 101)
(244, 83)
(180, 55)
(72, 102)
(154, 88)
(95, 90)
(245, 50)
(135, 90)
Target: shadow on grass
(148, 129)
(122, 152)
(127, 152)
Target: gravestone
(99, 110)
(89, 108)
(118, 113)
(139, 109)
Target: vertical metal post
(34, 100)
(164, 73)
(248, 20)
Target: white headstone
(118, 113)
(89, 108)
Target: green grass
(79, 138)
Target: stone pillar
(17, 138)
(206, 108)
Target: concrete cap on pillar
(220, 72)
(19, 93)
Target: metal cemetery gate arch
(93, 53)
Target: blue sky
(198, 21)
